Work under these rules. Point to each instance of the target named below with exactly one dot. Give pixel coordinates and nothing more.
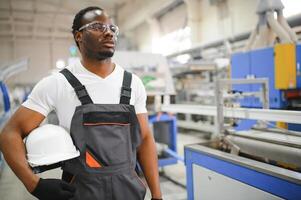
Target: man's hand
(50, 189)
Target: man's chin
(105, 54)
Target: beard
(99, 55)
(102, 55)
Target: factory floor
(12, 189)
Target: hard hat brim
(49, 160)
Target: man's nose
(108, 33)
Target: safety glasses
(98, 26)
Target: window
(291, 7)
(172, 42)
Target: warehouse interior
(222, 78)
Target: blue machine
(257, 64)
(212, 174)
(240, 68)
(298, 51)
(261, 64)
(165, 131)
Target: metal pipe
(199, 126)
(241, 113)
(282, 21)
(267, 150)
(277, 28)
(174, 154)
(252, 38)
(14, 68)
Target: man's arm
(18, 127)
(147, 156)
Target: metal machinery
(154, 72)
(258, 159)
(281, 65)
(214, 174)
(252, 164)
(165, 124)
(5, 105)
(248, 64)
(194, 83)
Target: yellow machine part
(282, 125)
(285, 66)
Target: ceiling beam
(132, 15)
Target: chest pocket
(107, 138)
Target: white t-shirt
(55, 92)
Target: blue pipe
(174, 154)
(5, 96)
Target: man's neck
(101, 68)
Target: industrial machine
(214, 174)
(272, 52)
(261, 163)
(281, 65)
(258, 156)
(164, 128)
(194, 83)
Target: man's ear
(78, 37)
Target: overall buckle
(81, 91)
(126, 92)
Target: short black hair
(77, 21)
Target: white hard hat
(49, 144)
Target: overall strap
(126, 90)
(79, 88)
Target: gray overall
(107, 136)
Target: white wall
(6, 52)
(42, 56)
(243, 15)
(239, 17)
(174, 20)
(141, 37)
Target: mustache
(103, 40)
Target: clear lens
(114, 29)
(97, 26)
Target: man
(104, 108)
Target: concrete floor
(12, 189)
